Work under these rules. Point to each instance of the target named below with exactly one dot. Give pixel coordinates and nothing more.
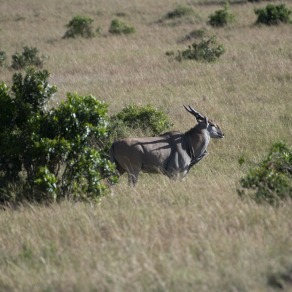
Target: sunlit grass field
(191, 235)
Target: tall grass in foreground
(163, 236)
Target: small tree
(221, 17)
(119, 27)
(207, 50)
(273, 14)
(79, 26)
(271, 180)
(28, 57)
(51, 152)
(147, 120)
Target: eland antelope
(172, 153)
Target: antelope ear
(206, 122)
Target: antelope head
(212, 128)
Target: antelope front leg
(198, 159)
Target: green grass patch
(119, 27)
(180, 11)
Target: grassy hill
(194, 235)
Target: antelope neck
(201, 145)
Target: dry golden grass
(195, 235)
(159, 239)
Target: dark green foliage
(207, 50)
(79, 26)
(28, 57)
(119, 27)
(180, 11)
(241, 160)
(3, 59)
(53, 154)
(146, 119)
(45, 184)
(271, 180)
(19, 108)
(31, 92)
(273, 14)
(221, 17)
(78, 124)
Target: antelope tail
(114, 160)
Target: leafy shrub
(146, 119)
(52, 153)
(28, 57)
(221, 17)
(3, 58)
(207, 50)
(271, 180)
(79, 26)
(180, 11)
(273, 14)
(119, 27)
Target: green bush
(207, 50)
(273, 14)
(271, 180)
(146, 119)
(3, 59)
(221, 17)
(28, 57)
(180, 11)
(119, 27)
(79, 26)
(51, 153)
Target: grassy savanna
(194, 235)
